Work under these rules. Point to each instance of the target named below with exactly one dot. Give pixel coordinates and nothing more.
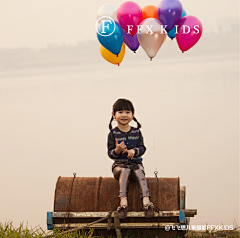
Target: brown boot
(122, 211)
(148, 210)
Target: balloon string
(156, 170)
(154, 153)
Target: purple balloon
(131, 41)
(169, 13)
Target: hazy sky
(56, 123)
(49, 116)
(36, 23)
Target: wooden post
(117, 225)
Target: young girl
(126, 147)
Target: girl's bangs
(123, 105)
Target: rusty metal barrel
(99, 194)
(81, 194)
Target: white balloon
(151, 36)
(109, 10)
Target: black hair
(123, 104)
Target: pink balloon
(129, 15)
(188, 32)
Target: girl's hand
(131, 153)
(120, 147)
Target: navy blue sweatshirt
(133, 140)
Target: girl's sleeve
(112, 146)
(140, 148)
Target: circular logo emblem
(105, 26)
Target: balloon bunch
(129, 24)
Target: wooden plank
(60, 214)
(182, 197)
(103, 214)
(190, 212)
(122, 225)
(167, 214)
(147, 225)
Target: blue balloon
(110, 35)
(171, 33)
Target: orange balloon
(110, 57)
(149, 11)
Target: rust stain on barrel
(62, 194)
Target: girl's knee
(139, 170)
(126, 171)
(117, 172)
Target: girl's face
(123, 117)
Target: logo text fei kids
(105, 24)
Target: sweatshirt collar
(124, 131)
